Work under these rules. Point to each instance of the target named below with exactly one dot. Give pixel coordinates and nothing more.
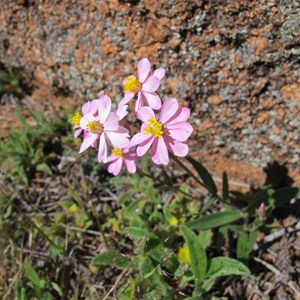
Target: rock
(231, 63)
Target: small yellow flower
(184, 254)
(173, 221)
(76, 119)
(115, 227)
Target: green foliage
(111, 257)
(206, 178)
(35, 287)
(32, 148)
(143, 231)
(9, 82)
(197, 254)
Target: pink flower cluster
(159, 134)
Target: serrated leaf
(111, 257)
(204, 175)
(224, 266)
(197, 254)
(214, 220)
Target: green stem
(181, 165)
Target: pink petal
(122, 129)
(143, 69)
(112, 122)
(130, 165)
(104, 107)
(86, 119)
(122, 111)
(140, 101)
(118, 139)
(127, 97)
(94, 106)
(87, 142)
(159, 152)
(168, 109)
(102, 153)
(86, 107)
(112, 158)
(144, 147)
(181, 115)
(177, 148)
(145, 113)
(180, 131)
(151, 84)
(95, 144)
(115, 167)
(77, 132)
(160, 73)
(139, 138)
(152, 99)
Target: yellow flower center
(184, 254)
(76, 118)
(95, 127)
(154, 128)
(117, 152)
(132, 85)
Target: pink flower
(88, 107)
(120, 156)
(261, 211)
(144, 86)
(168, 134)
(122, 111)
(104, 126)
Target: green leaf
(57, 288)
(224, 266)
(152, 195)
(214, 220)
(43, 167)
(20, 291)
(34, 277)
(197, 254)
(72, 192)
(137, 233)
(242, 196)
(257, 199)
(205, 238)
(205, 176)
(208, 203)
(111, 257)
(129, 211)
(245, 244)
(129, 292)
(125, 197)
(225, 192)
